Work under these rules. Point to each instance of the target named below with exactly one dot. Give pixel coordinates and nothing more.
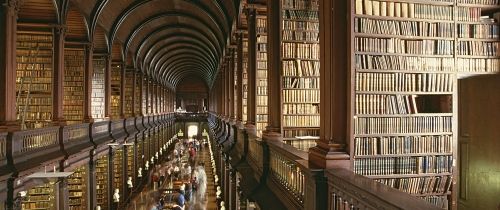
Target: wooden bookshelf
(102, 182)
(73, 85)
(115, 101)
(118, 170)
(300, 72)
(129, 92)
(130, 163)
(245, 79)
(77, 188)
(34, 57)
(98, 90)
(41, 197)
(261, 75)
(137, 93)
(407, 57)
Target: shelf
(302, 59)
(403, 134)
(404, 93)
(402, 19)
(402, 36)
(407, 175)
(406, 115)
(403, 54)
(479, 56)
(480, 39)
(300, 41)
(403, 71)
(400, 155)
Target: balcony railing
(298, 186)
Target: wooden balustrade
(286, 172)
(35, 139)
(347, 190)
(75, 132)
(255, 154)
(3, 145)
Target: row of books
(483, 31)
(391, 145)
(300, 68)
(300, 109)
(301, 144)
(403, 46)
(38, 205)
(301, 96)
(261, 118)
(404, 63)
(483, 2)
(300, 50)
(404, 82)
(37, 85)
(385, 104)
(404, 165)
(33, 55)
(35, 69)
(478, 65)
(301, 83)
(404, 28)
(403, 125)
(261, 100)
(439, 201)
(300, 35)
(262, 89)
(261, 109)
(403, 9)
(301, 4)
(37, 46)
(469, 14)
(300, 15)
(102, 181)
(420, 185)
(301, 120)
(292, 133)
(478, 48)
(300, 25)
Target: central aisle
(146, 199)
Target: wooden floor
(145, 199)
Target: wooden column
(122, 89)
(134, 98)
(107, 87)
(8, 16)
(239, 86)
(227, 97)
(252, 67)
(87, 86)
(220, 94)
(231, 85)
(148, 108)
(274, 66)
(141, 96)
(330, 150)
(58, 76)
(223, 90)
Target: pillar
(107, 87)
(8, 10)
(87, 77)
(58, 76)
(252, 68)
(330, 150)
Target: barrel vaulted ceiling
(167, 40)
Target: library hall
(249, 104)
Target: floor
(145, 199)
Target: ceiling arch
(166, 40)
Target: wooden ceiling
(167, 40)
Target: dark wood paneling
(77, 30)
(100, 43)
(479, 102)
(38, 11)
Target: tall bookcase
(97, 104)
(41, 197)
(261, 74)
(77, 187)
(300, 72)
(34, 57)
(118, 171)
(244, 81)
(115, 90)
(73, 85)
(137, 93)
(102, 182)
(129, 92)
(130, 163)
(406, 58)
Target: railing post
(316, 190)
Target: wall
(479, 148)
(192, 93)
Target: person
(177, 170)
(180, 201)
(188, 190)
